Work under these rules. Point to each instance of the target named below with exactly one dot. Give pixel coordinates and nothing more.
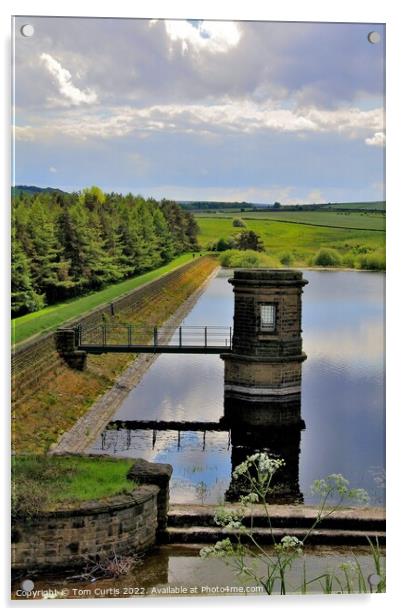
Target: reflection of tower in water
(280, 441)
(263, 375)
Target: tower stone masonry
(263, 372)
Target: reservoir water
(342, 395)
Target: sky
(201, 110)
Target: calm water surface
(342, 394)
(167, 570)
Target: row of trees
(65, 245)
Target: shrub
(226, 258)
(238, 222)
(28, 498)
(249, 240)
(362, 250)
(286, 258)
(224, 243)
(348, 260)
(327, 257)
(373, 261)
(247, 258)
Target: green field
(303, 241)
(373, 221)
(235, 206)
(53, 316)
(302, 234)
(360, 205)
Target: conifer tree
(150, 257)
(165, 242)
(49, 269)
(23, 297)
(132, 239)
(69, 244)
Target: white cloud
(378, 139)
(213, 36)
(52, 169)
(349, 119)
(239, 117)
(315, 196)
(65, 85)
(289, 195)
(24, 133)
(206, 121)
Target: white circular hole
(27, 30)
(374, 37)
(27, 585)
(374, 579)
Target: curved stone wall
(121, 524)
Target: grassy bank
(42, 416)
(53, 316)
(325, 257)
(47, 482)
(298, 245)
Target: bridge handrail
(168, 327)
(188, 335)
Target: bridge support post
(66, 344)
(263, 371)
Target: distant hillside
(32, 190)
(359, 205)
(223, 205)
(236, 206)
(363, 206)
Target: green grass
(301, 242)
(247, 258)
(47, 482)
(223, 207)
(370, 221)
(51, 317)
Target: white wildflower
(290, 544)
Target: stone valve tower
(263, 371)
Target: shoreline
(302, 268)
(87, 429)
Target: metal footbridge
(129, 338)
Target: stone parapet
(144, 472)
(73, 535)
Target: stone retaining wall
(122, 524)
(149, 473)
(36, 359)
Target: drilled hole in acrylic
(374, 37)
(27, 30)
